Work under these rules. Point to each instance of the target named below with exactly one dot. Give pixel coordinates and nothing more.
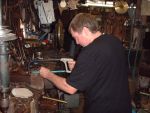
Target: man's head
(84, 28)
(84, 20)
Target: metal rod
(54, 71)
(0, 12)
(143, 93)
(58, 100)
(48, 60)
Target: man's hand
(44, 72)
(59, 82)
(71, 64)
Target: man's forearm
(60, 82)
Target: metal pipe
(4, 73)
(4, 77)
(36, 72)
(0, 12)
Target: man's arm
(58, 81)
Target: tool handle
(65, 61)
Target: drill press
(5, 36)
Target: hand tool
(64, 60)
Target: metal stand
(5, 36)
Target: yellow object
(121, 7)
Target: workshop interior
(34, 33)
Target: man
(100, 70)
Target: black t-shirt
(101, 73)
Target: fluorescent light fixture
(98, 3)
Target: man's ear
(85, 30)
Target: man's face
(79, 38)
